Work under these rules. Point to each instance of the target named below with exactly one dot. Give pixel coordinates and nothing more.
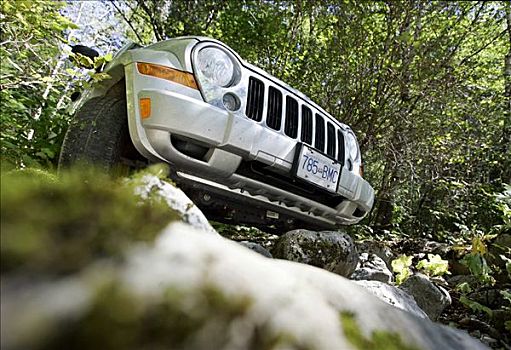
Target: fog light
(231, 102)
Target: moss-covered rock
(57, 224)
(379, 340)
(109, 276)
(153, 183)
(119, 319)
(334, 251)
(189, 290)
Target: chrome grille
(306, 125)
(274, 115)
(255, 99)
(311, 128)
(291, 123)
(319, 142)
(340, 146)
(330, 145)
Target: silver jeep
(242, 144)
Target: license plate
(316, 168)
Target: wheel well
(129, 153)
(118, 89)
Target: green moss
(112, 322)
(160, 170)
(180, 315)
(380, 340)
(55, 225)
(264, 338)
(201, 318)
(117, 319)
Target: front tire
(98, 134)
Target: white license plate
(318, 169)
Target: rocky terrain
(74, 276)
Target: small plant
(503, 204)
(434, 265)
(465, 288)
(475, 260)
(475, 306)
(401, 266)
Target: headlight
(216, 66)
(351, 143)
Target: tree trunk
(506, 132)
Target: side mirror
(84, 56)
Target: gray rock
(189, 291)
(489, 340)
(433, 247)
(431, 298)
(333, 251)
(150, 186)
(380, 249)
(256, 248)
(372, 267)
(393, 296)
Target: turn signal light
(145, 107)
(167, 73)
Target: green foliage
(475, 306)
(57, 225)
(232, 231)
(97, 63)
(401, 266)
(31, 35)
(503, 204)
(380, 340)
(434, 265)
(476, 262)
(464, 288)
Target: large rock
(431, 298)
(197, 291)
(333, 251)
(151, 187)
(377, 248)
(393, 296)
(372, 267)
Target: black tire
(98, 134)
